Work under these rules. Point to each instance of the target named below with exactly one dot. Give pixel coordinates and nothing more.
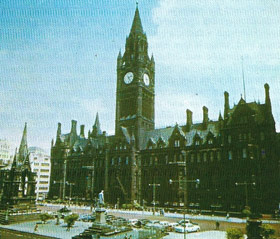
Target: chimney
(226, 109)
(267, 97)
(74, 127)
(82, 131)
(205, 116)
(189, 119)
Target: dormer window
(197, 142)
(210, 141)
(177, 143)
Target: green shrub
(45, 217)
(247, 211)
(71, 219)
(234, 233)
(267, 231)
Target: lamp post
(245, 183)
(60, 182)
(197, 181)
(70, 193)
(154, 185)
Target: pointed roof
(23, 149)
(96, 126)
(136, 25)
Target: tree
(267, 231)
(45, 217)
(234, 233)
(247, 211)
(70, 220)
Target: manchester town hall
(215, 165)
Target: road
(206, 223)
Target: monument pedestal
(100, 215)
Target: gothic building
(235, 158)
(17, 182)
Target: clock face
(128, 78)
(146, 79)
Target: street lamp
(246, 189)
(70, 193)
(60, 188)
(197, 181)
(154, 185)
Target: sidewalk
(50, 229)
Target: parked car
(184, 221)
(188, 228)
(87, 218)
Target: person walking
(217, 225)
(36, 227)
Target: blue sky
(58, 59)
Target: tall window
(212, 156)
(205, 157)
(198, 157)
(229, 155)
(244, 153)
(219, 156)
(262, 136)
(192, 157)
(229, 139)
(177, 143)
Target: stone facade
(235, 158)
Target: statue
(101, 198)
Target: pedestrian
(36, 227)
(217, 225)
(227, 216)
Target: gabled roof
(212, 126)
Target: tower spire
(96, 129)
(23, 149)
(136, 25)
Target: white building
(41, 164)
(5, 152)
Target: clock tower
(135, 99)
